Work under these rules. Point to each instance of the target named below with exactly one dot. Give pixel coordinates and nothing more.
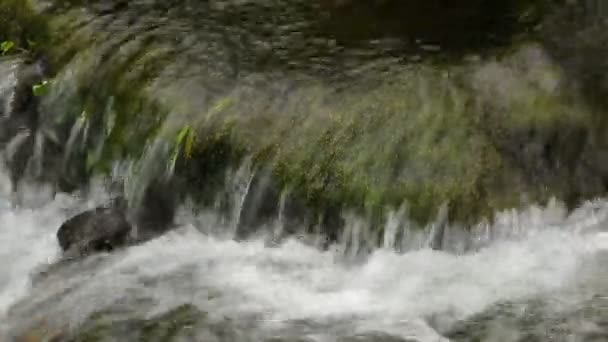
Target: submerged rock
(536, 320)
(375, 337)
(433, 138)
(183, 323)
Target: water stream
(137, 77)
(249, 291)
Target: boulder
(120, 223)
(102, 229)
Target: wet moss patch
(477, 136)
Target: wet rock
(170, 326)
(184, 323)
(374, 337)
(535, 321)
(41, 333)
(116, 225)
(305, 38)
(154, 215)
(102, 229)
(20, 118)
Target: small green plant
(183, 142)
(41, 88)
(7, 46)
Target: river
(546, 268)
(291, 119)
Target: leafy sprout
(6, 46)
(184, 141)
(41, 88)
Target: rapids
(293, 291)
(352, 123)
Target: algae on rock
(480, 136)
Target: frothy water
(293, 288)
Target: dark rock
(575, 37)
(106, 228)
(102, 229)
(155, 213)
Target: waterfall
(329, 171)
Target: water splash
(535, 253)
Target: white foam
(26, 243)
(390, 292)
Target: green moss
(423, 134)
(21, 24)
(421, 137)
(377, 149)
(174, 325)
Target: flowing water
(543, 277)
(538, 274)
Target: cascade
(325, 171)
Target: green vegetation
(422, 134)
(7, 46)
(184, 143)
(41, 88)
(479, 136)
(20, 27)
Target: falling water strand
(388, 292)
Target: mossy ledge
(20, 24)
(480, 136)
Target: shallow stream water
(534, 275)
(544, 280)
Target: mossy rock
(23, 25)
(170, 326)
(185, 322)
(424, 133)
